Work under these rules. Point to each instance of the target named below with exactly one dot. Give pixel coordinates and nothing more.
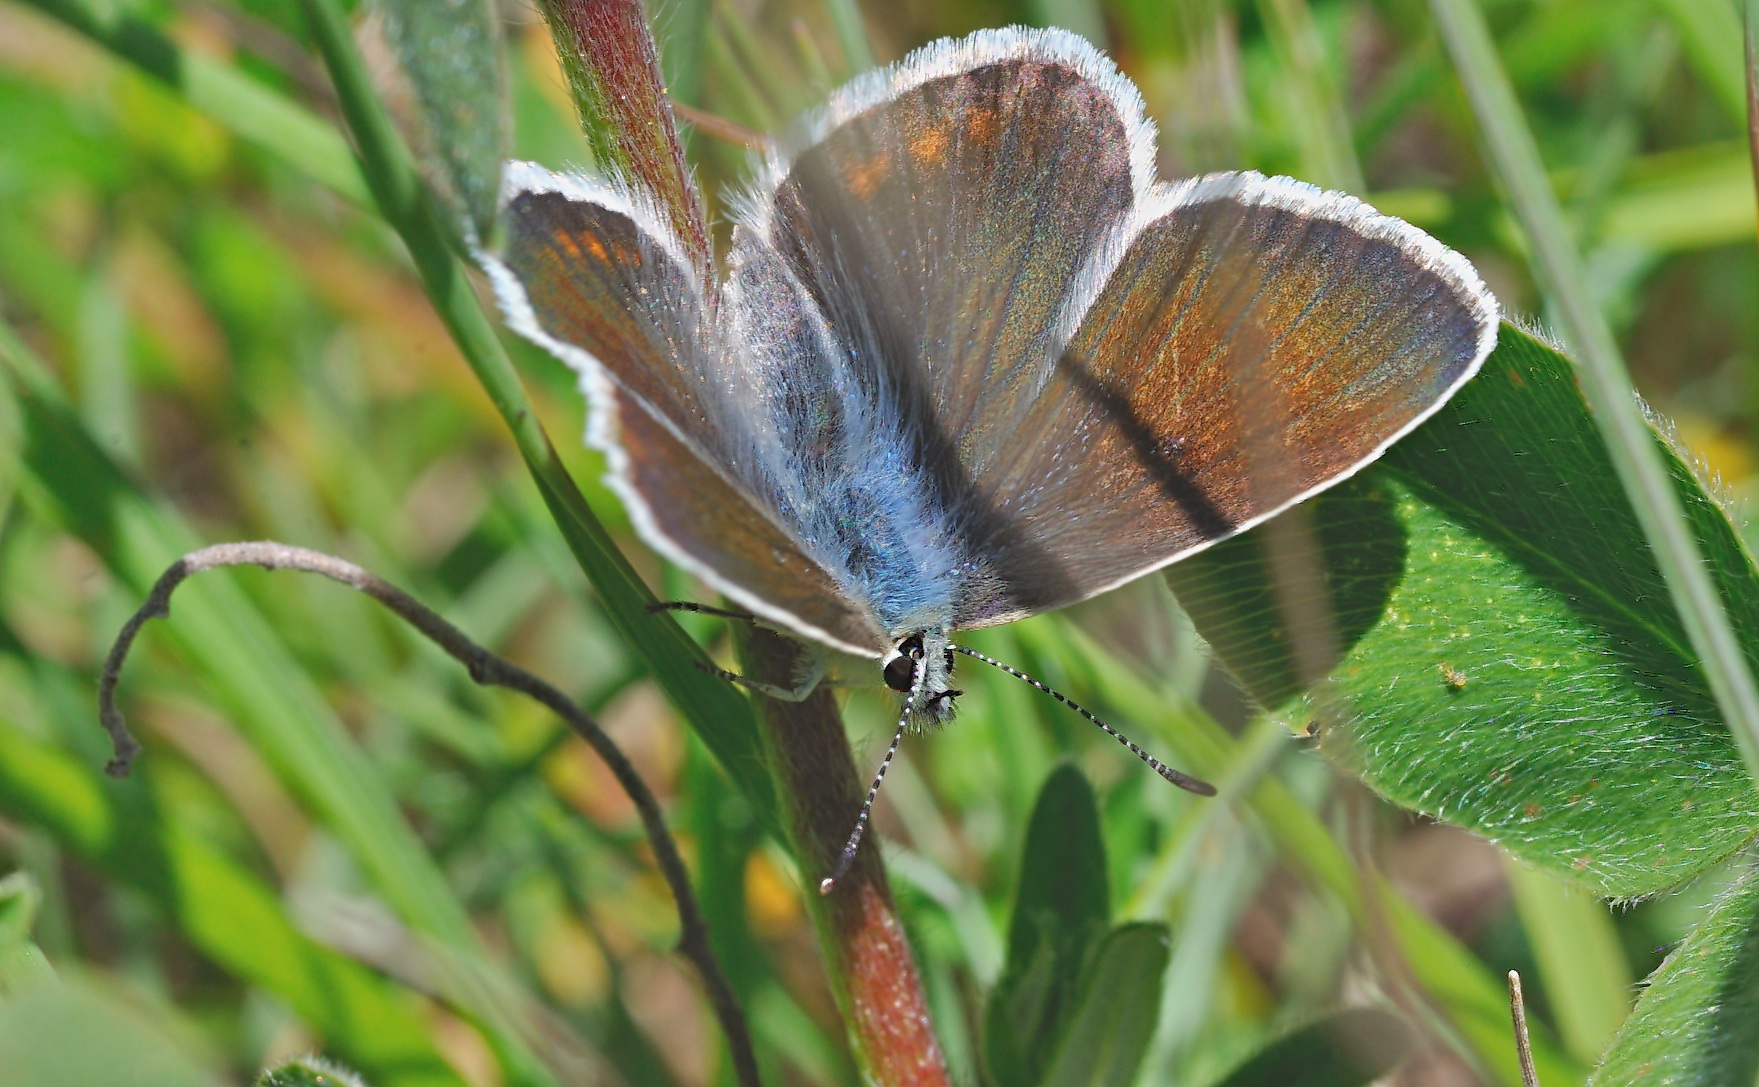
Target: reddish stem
(611, 62)
(866, 956)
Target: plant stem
(719, 715)
(860, 936)
(862, 941)
(1605, 381)
(614, 70)
(1751, 39)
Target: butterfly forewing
(1257, 341)
(589, 274)
(942, 217)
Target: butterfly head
(921, 668)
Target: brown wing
(588, 273)
(1257, 341)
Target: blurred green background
(243, 353)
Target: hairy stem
(860, 936)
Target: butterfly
(969, 360)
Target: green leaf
(79, 1035)
(1062, 907)
(1114, 1018)
(1063, 868)
(1697, 1024)
(449, 54)
(1530, 678)
(1345, 1049)
(22, 965)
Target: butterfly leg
(810, 678)
(704, 609)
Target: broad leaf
(1113, 1020)
(1529, 678)
(1061, 909)
(1697, 1024)
(22, 965)
(80, 1034)
(1346, 1049)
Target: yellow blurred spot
(539, 50)
(464, 1049)
(570, 964)
(1721, 453)
(771, 904)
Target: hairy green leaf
(1529, 678)
(450, 60)
(1697, 1024)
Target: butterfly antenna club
(829, 883)
(1182, 780)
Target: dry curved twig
(485, 668)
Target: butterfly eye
(900, 672)
(911, 647)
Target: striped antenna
(1183, 781)
(829, 883)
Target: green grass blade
(69, 481)
(714, 710)
(239, 103)
(851, 35)
(1587, 984)
(221, 909)
(1710, 31)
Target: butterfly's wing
(590, 272)
(1248, 342)
(938, 215)
(1088, 375)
